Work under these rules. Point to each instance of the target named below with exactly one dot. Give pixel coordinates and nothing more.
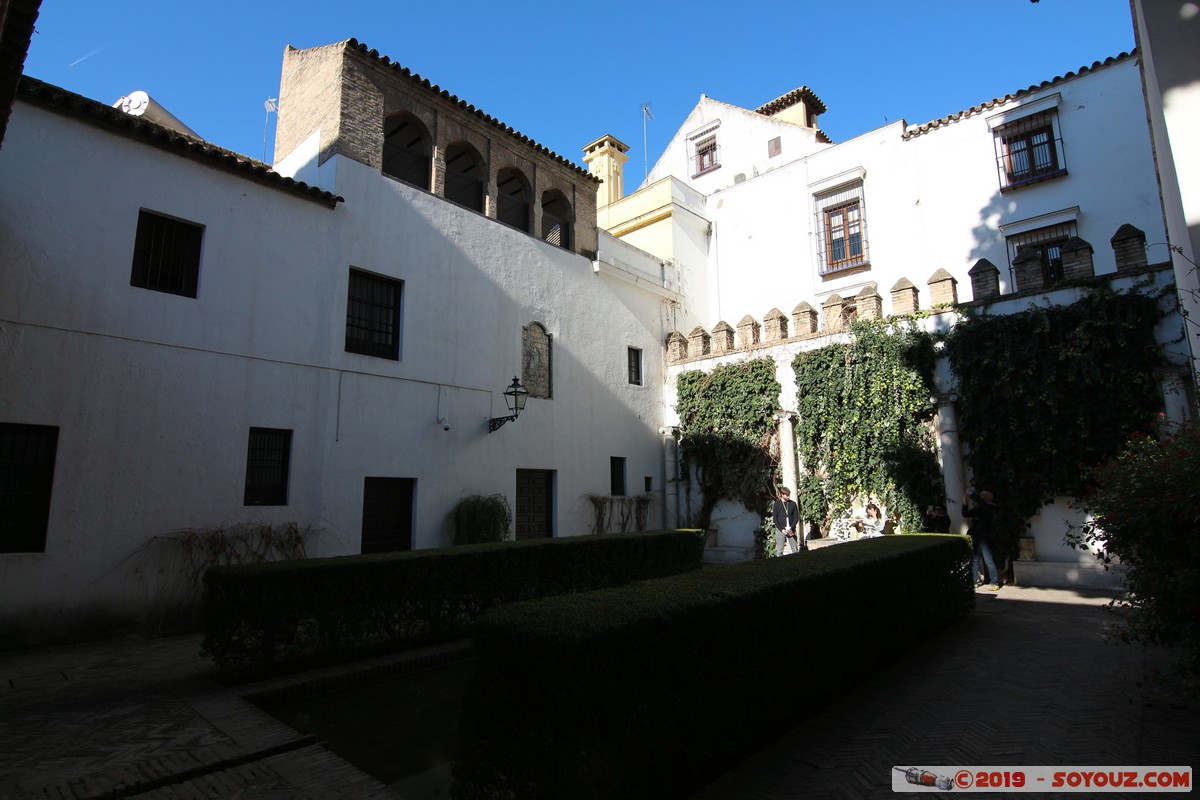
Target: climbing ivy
(727, 422)
(864, 426)
(1047, 394)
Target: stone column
(786, 424)
(1176, 403)
(670, 506)
(952, 461)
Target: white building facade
(188, 339)
(788, 236)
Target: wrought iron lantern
(515, 397)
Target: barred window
(373, 315)
(706, 155)
(1029, 150)
(841, 227)
(166, 254)
(1047, 244)
(268, 457)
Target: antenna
(645, 153)
(269, 105)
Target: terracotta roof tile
(790, 99)
(465, 106)
(990, 104)
(113, 120)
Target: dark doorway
(387, 514)
(535, 504)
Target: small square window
(373, 315)
(616, 469)
(27, 454)
(774, 147)
(635, 366)
(166, 255)
(268, 458)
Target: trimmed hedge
(265, 619)
(652, 690)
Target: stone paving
(1027, 679)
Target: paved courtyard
(1028, 679)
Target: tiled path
(1027, 679)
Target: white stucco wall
(153, 394)
(932, 201)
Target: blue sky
(564, 74)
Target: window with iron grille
(1028, 150)
(706, 155)
(27, 454)
(166, 254)
(635, 366)
(267, 459)
(616, 471)
(373, 315)
(1047, 243)
(841, 229)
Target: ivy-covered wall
(1048, 394)
(864, 428)
(1043, 395)
(727, 422)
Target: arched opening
(556, 219)
(464, 181)
(406, 150)
(512, 201)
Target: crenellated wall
(837, 312)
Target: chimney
(604, 158)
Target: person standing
(786, 517)
(978, 507)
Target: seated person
(873, 525)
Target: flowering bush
(1145, 508)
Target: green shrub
(479, 519)
(1145, 508)
(653, 689)
(266, 619)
